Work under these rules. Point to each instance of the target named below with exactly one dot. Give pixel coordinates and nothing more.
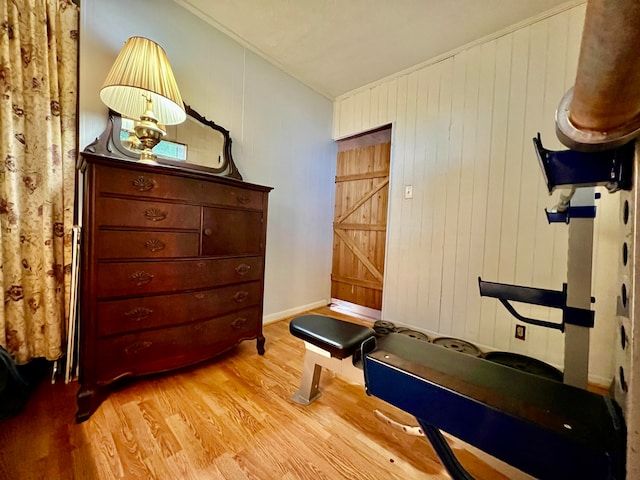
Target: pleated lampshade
(140, 70)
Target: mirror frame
(109, 144)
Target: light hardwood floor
(230, 418)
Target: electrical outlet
(521, 332)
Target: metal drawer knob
(155, 214)
(242, 198)
(141, 278)
(154, 245)
(243, 269)
(208, 232)
(238, 322)
(139, 314)
(143, 184)
(241, 296)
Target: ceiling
(335, 46)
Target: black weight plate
(380, 331)
(384, 324)
(413, 334)
(526, 364)
(458, 345)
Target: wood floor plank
(101, 447)
(126, 439)
(181, 466)
(228, 468)
(196, 438)
(167, 444)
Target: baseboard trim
(274, 317)
(349, 308)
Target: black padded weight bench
(329, 343)
(542, 427)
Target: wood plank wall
(462, 130)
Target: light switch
(408, 191)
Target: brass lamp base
(148, 157)
(149, 133)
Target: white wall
(281, 131)
(462, 130)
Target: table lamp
(141, 86)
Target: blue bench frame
(542, 427)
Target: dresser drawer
(117, 279)
(122, 316)
(119, 212)
(232, 196)
(127, 244)
(173, 347)
(120, 181)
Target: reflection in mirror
(197, 144)
(169, 146)
(205, 145)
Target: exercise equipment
(330, 343)
(580, 172)
(526, 364)
(413, 334)
(458, 345)
(541, 426)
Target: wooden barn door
(360, 222)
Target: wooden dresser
(172, 270)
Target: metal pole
(579, 269)
(602, 110)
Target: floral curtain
(38, 85)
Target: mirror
(198, 144)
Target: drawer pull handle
(243, 269)
(208, 232)
(143, 184)
(154, 245)
(238, 322)
(155, 215)
(139, 314)
(141, 278)
(241, 296)
(242, 198)
(201, 264)
(137, 347)
(199, 296)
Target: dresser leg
(260, 345)
(88, 401)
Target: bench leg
(309, 390)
